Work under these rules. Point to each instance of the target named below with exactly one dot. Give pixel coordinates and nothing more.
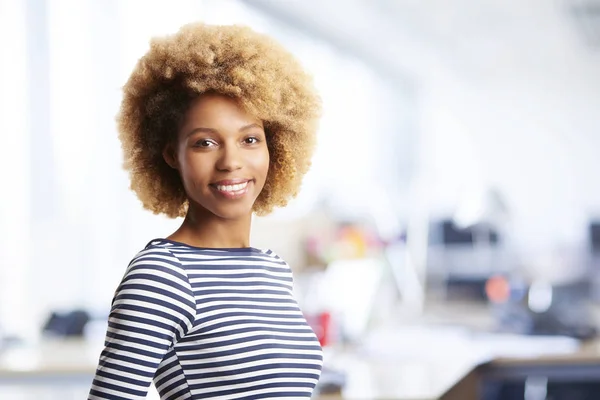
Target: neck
(202, 230)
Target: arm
(152, 309)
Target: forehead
(218, 110)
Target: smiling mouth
(231, 190)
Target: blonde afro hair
(230, 60)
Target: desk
(48, 370)
(64, 369)
(581, 365)
(572, 376)
(55, 369)
(426, 379)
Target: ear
(170, 156)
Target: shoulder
(156, 260)
(267, 254)
(272, 261)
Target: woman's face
(222, 157)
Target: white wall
(536, 142)
(15, 246)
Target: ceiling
(476, 41)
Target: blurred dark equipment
(332, 382)
(451, 234)
(593, 254)
(594, 237)
(566, 314)
(468, 256)
(66, 324)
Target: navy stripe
(217, 284)
(150, 300)
(129, 349)
(249, 339)
(260, 357)
(134, 274)
(220, 325)
(142, 320)
(241, 371)
(250, 307)
(179, 383)
(294, 331)
(164, 377)
(216, 384)
(227, 353)
(104, 395)
(143, 311)
(154, 262)
(132, 329)
(279, 301)
(277, 395)
(129, 370)
(109, 353)
(131, 381)
(165, 367)
(118, 388)
(245, 275)
(258, 387)
(239, 291)
(152, 289)
(136, 340)
(180, 394)
(243, 265)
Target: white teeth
(232, 188)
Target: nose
(230, 158)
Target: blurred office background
(457, 159)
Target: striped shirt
(207, 324)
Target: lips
(232, 188)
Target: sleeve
(153, 308)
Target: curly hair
(232, 60)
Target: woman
(216, 123)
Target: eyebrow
(215, 131)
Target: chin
(232, 213)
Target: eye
(205, 143)
(251, 140)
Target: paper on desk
(426, 342)
(517, 346)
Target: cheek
(263, 164)
(191, 167)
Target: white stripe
(243, 345)
(153, 317)
(266, 313)
(154, 306)
(157, 296)
(123, 373)
(217, 321)
(265, 296)
(263, 391)
(260, 326)
(237, 336)
(117, 383)
(311, 365)
(256, 374)
(254, 353)
(247, 303)
(143, 347)
(289, 381)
